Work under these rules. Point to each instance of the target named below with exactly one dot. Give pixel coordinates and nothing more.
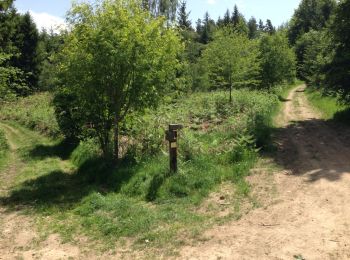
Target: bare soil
(310, 218)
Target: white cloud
(212, 2)
(48, 21)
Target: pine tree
(206, 33)
(26, 41)
(261, 26)
(227, 18)
(253, 28)
(199, 27)
(235, 16)
(269, 28)
(183, 17)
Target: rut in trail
(311, 218)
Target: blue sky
(46, 13)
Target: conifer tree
(269, 28)
(26, 41)
(207, 29)
(253, 28)
(183, 17)
(199, 27)
(261, 26)
(227, 18)
(235, 16)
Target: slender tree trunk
(116, 139)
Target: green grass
(4, 149)
(34, 112)
(329, 106)
(72, 191)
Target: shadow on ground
(59, 188)
(315, 148)
(62, 150)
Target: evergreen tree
(261, 26)
(338, 71)
(235, 16)
(199, 27)
(183, 17)
(311, 14)
(253, 28)
(227, 18)
(269, 28)
(207, 29)
(26, 41)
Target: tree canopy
(117, 58)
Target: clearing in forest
(308, 218)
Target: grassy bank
(4, 148)
(329, 106)
(73, 191)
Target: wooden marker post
(171, 136)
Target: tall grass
(4, 148)
(328, 105)
(34, 112)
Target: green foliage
(3, 144)
(26, 42)
(277, 60)
(311, 14)
(253, 28)
(232, 60)
(315, 48)
(82, 193)
(328, 105)
(18, 42)
(50, 43)
(165, 8)
(183, 17)
(4, 148)
(338, 70)
(34, 112)
(112, 71)
(11, 80)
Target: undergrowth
(34, 112)
(328, 105)
(80, 193)
(3, 149)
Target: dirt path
(311, 218)
(19, 238)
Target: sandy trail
(311, 219)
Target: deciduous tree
(116, 59)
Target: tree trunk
(116, 139)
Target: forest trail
(19, 238)
(310, 216)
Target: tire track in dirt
(311, 219)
